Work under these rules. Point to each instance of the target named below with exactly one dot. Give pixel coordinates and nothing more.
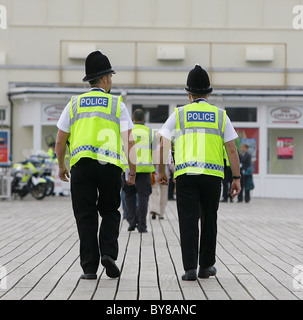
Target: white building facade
(251, 50)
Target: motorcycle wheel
(50, 186)
(39, 191)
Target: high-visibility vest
(95, 128)
(199, 140)
(143, 137)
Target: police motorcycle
(26, 179)
(44, 167)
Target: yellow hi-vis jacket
(95, 128)
(199, 140)
(143, 137)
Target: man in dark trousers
(92, 122)
(139, 193)
(245, 160)
(199, 131)
(228, 179)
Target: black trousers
(138, 196)
(95, 189)
(197, 193)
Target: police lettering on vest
(201, 116)
(94, 102)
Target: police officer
(92, 122)
(146, 146)
(199, 131)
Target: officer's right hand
(63, 174)
(131, 180)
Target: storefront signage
(285, 148)
(51, 112)
(288, 115)
(4, 147)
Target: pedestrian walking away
(246, 173)
(158, 198)
(137, 196)
(228, 179)
(199, 130)
(91, 124)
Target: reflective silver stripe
(221, 121)
(114, 105)
(197, 130)
(181, 118)
(92, 114)
(74, 105)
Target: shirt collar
(200, 100)
(97, 89)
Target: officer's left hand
(64, 174)
(235, 188)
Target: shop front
(269, 121)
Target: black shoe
(153, 215)
(160, 218)
(223, 200)
(88, 276)
(190, 275)
(142, 231)
(207, 272)
(171, 198)
(111, 268)
(131, 228)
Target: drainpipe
(11, 125)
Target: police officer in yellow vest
(139, 193)
(92, 122)
(199, 131)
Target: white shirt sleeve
(125, 119)
(229, 131)
(169, 127)
(64, 120)
(126, 122)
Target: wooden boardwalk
(258, 246)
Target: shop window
(153, 113)
(2, 115)
(250, 136)
(242, 114)
(285, 151)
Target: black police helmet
(198, 81)
(96, 66)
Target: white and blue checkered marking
(104, 152)
(203, 165)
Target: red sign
(4, 148)
(285, 148)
